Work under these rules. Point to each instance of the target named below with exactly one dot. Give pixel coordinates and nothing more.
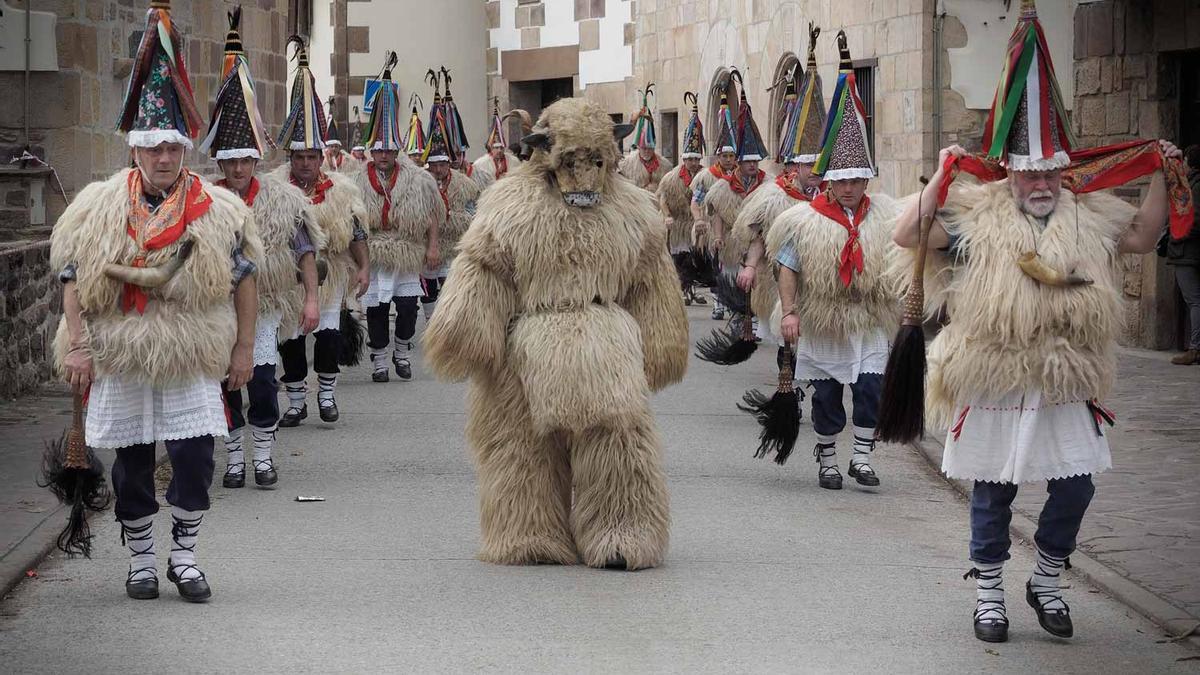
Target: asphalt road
(766, 572)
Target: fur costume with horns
(563, 344)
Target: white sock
(237, 458)
(296, 393)
(427, 309)
(864, 443)
(1045, 581)
(184, 532)
(826, 454)
(402, 351)
(379, 359)
(263, 438)
(326, 384)
(138, 535)
(989, 592)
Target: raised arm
(907, 233)
(1147, 225)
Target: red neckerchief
(444, 191)
(186, 202)
(317, 194)
(501, 166)
(685, 175)
(716, 170)
(373, 176)
(784, 181)
(851, 259)
(251, 192)
(652, 165)
(735, 182)
(469, 170)
(336, 161)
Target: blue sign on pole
(369, 88)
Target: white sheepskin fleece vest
(675, 200)
(189, 327)
(280, 209)
(631, 167)
(462, 193)
(758, 212)
(416, 204)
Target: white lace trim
(1060, 160)
(266, 339)
(152, 138)
(691, 155)
(124, 412)
(842, 359)
(301, 145)
(386, 284)
(238, 153)
(849, 174)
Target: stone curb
(39, 543)
(1170, 618)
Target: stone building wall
(74, 110)
(29, 308)
(1128, 60)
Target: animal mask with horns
(575, 145)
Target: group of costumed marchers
(178, 293)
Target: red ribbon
(851, 258)
(717, 171)
(373, 176)
(251, 192)
(444, 191)
(958, 424)
(317, 195)
(652, 165)
(1098, 169)
(685, 175)
(501, 166)
(784, 181)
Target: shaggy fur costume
(565, 319)
(347, 165)
(632, 168)
(727, 204)
(416, 203)
(675, 201)
(758, 212)
(463, 194)
(1007, 332)
(189, 326)
(280, 209)
(485, 169)
(826, 307)
(334, 217)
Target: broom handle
(77, 412)
(914, 299)
(786, 372)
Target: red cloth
(317, 195)
(851, 259)
(196, 203)
(785, 181)
(386, 193)
(716, 170)
(501, 166)
(251, 193)
(652, 165)
(1097, 169)
(735, 182)
(685, 176)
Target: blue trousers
(191, 476)
(828, 413)
(263, 392)
(1058, 524)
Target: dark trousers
(1058, 524)
(828, 413)
(433, 288)
(263, 392)
(377, 321)
(191, 476)
(325, 355)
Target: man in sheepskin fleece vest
(675, 201)
(459, 194)
(643, 165)
(498, 161)
(836, 301)
(563, 345)
(237, 141)
(404, 215)
(149, 259)
(336, 205)
(1018, 379)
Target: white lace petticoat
(123, 411)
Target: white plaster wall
(975, 69)
(613, 62)
(319, 48)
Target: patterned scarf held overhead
(153, 229)
(1098, 169)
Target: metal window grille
(864, 76)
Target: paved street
(766, 573)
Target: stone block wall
(1126, 86)
(30, 304)
(74, 110)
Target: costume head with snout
(574, 144)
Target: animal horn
(1033, 267)
(150, 277)
(526, 120)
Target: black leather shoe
(292, 419)
(991, 630)
(864, 474)
(830, 480)
(143, 589)
(379, 376)
(329, 413)
(1053, 622)
(192, 590)
(235, 480)
(264, 473)
(403, 369)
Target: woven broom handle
(76, 454)
(914, 299)
(786, 372)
